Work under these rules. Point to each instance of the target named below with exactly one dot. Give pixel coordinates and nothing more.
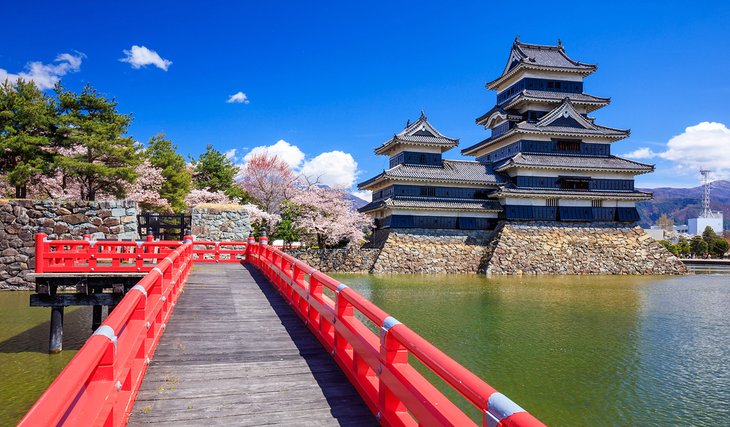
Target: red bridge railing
(378, 364)
(100, 384)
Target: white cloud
(230, 154)
(140, 56)
(46, 76)
(238, 98)
(364, 195)
(290, 154)
(702, 146)
(641, 153)
(336, 169)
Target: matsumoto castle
(545, 160)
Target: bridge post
(249, 246)
(392, 353)
(263, 240)
(40, 247)
(55, 343)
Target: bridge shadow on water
(76, 330)
(346, 404)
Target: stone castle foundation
(549, 248)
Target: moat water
(575, 350)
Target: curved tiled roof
(594, 102)
(454, 171)
(571, 194)
(567, 162)
(552, 124)
(420, 132)
(432, 203)
(533, 56)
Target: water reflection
(26, 368)
(579, 350)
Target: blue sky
(346, 76)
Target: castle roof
(419, 133)
(452, 171)
(524, 56)
(590, 101)
(515, 192)
(432, 203)
(574, 163)
(562, 121)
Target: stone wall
(549, 248)
(348, 260)
(20, 220)
(220, 222)
(432, 251)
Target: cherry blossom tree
(262, 220)
(146, 188)
(268, 180)
(328, 215)
(204, 195)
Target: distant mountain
(357, 202)
(682, 203)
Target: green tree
(27, 133)
(683, 248)
(287, 229)
(99, 156)
(719, 247)
(216, 172)
(177, 183)
(709, 235)
(698, 246)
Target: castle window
(568, 145)
(570, 183)
(551, 203)
(597, 203)
(427, 191)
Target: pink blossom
(197, 197)
(329, 215)
(268, 180)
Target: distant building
(545, 159)
(695, 226)
(707, 218)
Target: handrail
(378, 364)
(100, 384)
(99, 256)
(215, 252)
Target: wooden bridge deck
(234, 353)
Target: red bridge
(258, 337)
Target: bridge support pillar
(55, 344)
(95, 317)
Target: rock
(73, 219)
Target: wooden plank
(234, 353)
